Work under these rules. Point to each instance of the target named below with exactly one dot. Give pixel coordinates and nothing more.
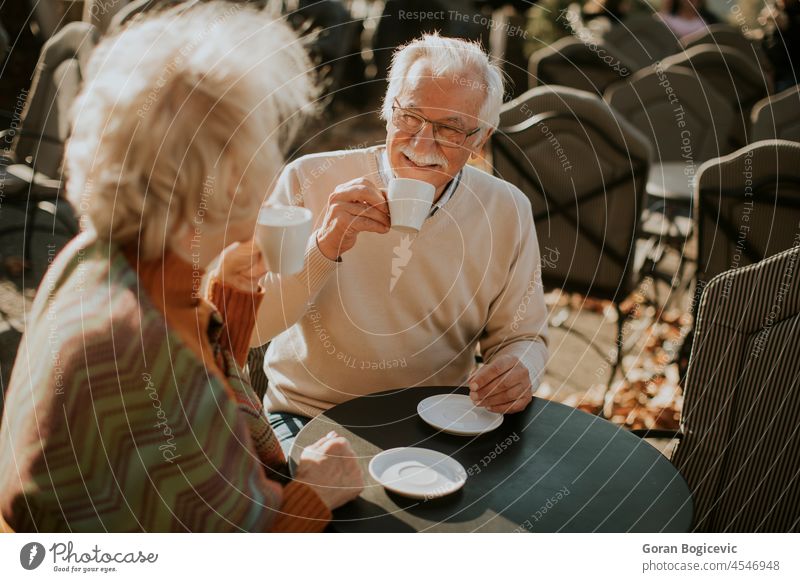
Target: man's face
(454, 101)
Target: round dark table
(550, 468)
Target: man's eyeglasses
(445, 135)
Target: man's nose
(424, 140)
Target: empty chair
(727, 35)
(687, 122)
(777, 116)
(569, 62)
(685, 119)
(56, 82)
(740, 443)
(733, 75)
(584, 171)
(34, 174)
(643, 39)
(748, 206)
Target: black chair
(747, 208)
(30, 170)
(726, 35)
(584, 170)
(643, 38)
(776, 116)
(687, 122)
(733, 75)
(570, 62)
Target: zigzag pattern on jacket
(85, 450)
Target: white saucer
(418, 473)
(456, 414)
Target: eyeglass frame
(433, 124)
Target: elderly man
(375, 309)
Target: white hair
(448, 57)
(180, 110)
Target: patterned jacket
(111, 423)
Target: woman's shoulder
(88, 302)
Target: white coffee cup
(409, 203)
(282, 234)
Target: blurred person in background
(128, 409)
(780, 20)
(684, 17)
(601, 15)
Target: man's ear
(479, 145)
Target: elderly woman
(127, 408)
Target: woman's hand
(329, 467)
(241, 266)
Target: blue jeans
(287, 426)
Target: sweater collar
(169, 280)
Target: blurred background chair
(643, 39)
(31, 168)
(777, 116)
(571, 63)
(733, 75)
(56, 82)
(730, 36)
(584, 170)
(3, 43)
(748, 206)
(687, 123)
(740, 440)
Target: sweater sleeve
(517, 322)
(302, 510)
(287, 297)
(238, 310)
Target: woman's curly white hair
(179, 112)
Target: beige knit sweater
(400, 310)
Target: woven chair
(584, 170)
(255, 368)
(571, 63)
(733, 75)
(776, 116)
(740, 438)
(644, 39)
